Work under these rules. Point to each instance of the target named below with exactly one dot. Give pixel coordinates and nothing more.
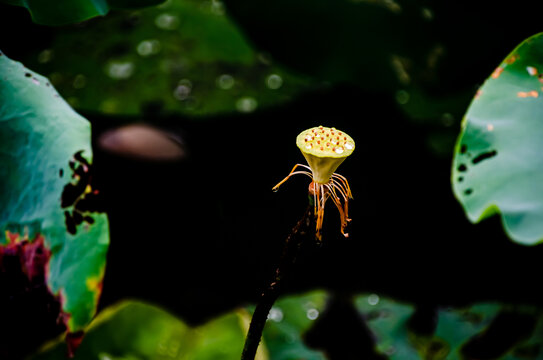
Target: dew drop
(427, 14)
(225, 81)
(120, 70)
(148, 47)
(80, 81)
(373, 299)
(217, 7)
(312, 314)
(339, 150)
(402, 97)
(246, 104)
(45, 56)
(348, 146)
(181, 92)
(167, 21)
(276, 314)
(274, 81)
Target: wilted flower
(325, 149)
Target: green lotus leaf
(61, 12)
(136, 330)
(185, 56)
(460, 333)
(498, 167)
(45, 190)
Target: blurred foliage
(480, 331)
(40, 135)
(61, 12)
(498, 166)
(288, 320)
(428, 54)
(183, 56)
(135, 330)
(361, 42)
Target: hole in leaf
(424, 320)
(77, 217)
(88, 219)
(462, 168)
(463, 149)
(70, 223)
(79, 197)
(484, 156)
(468, 191)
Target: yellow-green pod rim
(323, 142)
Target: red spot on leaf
(73, 340)
(511, 59)
(33, 256)
(36, 258)
(12, 238)
(31, 309)
(525, 94)
(496, 74)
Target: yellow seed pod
(324, 149)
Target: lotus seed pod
(324, 149)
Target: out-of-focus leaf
(387, 320)
(476, 331)
(135, 330)
(354, 41)
(497, 165)
(60, 12)
(45, 191)
(183, 56)
(289, 319)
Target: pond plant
(213, 82)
